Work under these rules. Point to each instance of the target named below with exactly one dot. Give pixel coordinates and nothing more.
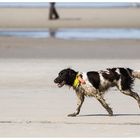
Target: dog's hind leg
(79, 103)
(104, 104)
(132, 94)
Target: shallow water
(77, 34)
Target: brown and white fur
(97, 82)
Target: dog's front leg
(79, 103)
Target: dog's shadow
(115, 115)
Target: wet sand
(31, 105)
(12, 47)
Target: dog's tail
(136, 74)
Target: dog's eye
(60, 74)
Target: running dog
(95, 83)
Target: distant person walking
(52, 12)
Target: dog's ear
(71, 72)
(71, 75)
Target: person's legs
(51, 12)
(56, 16)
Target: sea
(71, 4)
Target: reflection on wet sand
(75, 33)
(52, 32)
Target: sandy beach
(31, 105)
(71, 17)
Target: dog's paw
(110, 113)
(72, 115)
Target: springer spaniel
(97, 82)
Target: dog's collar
(76, 81)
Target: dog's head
(66, 77)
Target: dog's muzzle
(59, 84)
